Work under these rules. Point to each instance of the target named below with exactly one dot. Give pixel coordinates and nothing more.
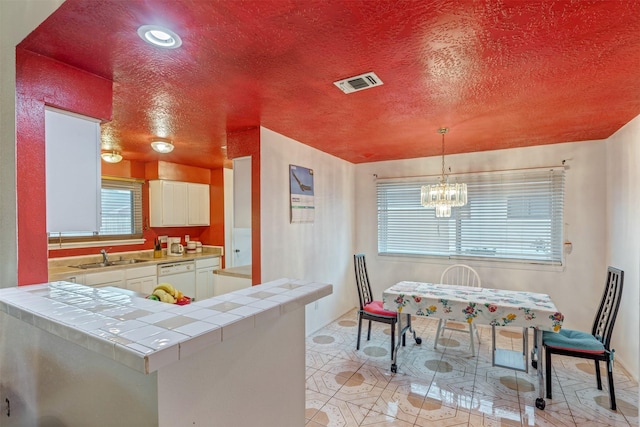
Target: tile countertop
(243, 272)
(147, 335)
(60, 268)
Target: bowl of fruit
(165, 292)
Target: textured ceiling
(499, 74)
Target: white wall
(576, 288)
(322, 251)
(17, 20)
(623, 230)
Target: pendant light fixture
(111, 157)
(443, 196)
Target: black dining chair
(594, 345)
(371, 309)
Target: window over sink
(121, 201)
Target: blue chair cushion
(567, 339)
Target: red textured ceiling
(499, 74)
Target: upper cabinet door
(72, 147)
(167, 203)
(174, 208)
(198, 204)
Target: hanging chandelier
(444, 196)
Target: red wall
(215, 233)
(41, 81)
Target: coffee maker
(174, 248)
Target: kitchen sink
(127, 261)
(108, 264)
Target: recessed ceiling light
(162, 146)
(112, 157)
(159, 36)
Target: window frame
(58, 240)
(405, 228)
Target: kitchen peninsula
(78, 355)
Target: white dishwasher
(181, 275)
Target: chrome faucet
(105, 259)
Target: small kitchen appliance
(174, 248)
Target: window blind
(121, 207)
(509, 216)
(121, 201)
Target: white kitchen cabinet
(141, 279)
(72, 153)
(105, 278)
(167, 203)
(198, 197)
(73, 278)
(178, 204)
(205, 277)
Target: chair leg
(612, 392)
(393, 338)
(404, 340)
(598, 377)
(369, 332)
(359, 330)
(472, 345)
(435, 344)
(547, 355)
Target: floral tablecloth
(480, 305)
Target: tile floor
(448, 387)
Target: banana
(178, 295)
(159, 293)
(167, 288)
(164, 296)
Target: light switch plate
(186, 238)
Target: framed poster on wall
(301, 194)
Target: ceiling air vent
(356, 83)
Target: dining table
(494, 307)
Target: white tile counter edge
(147, 335)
